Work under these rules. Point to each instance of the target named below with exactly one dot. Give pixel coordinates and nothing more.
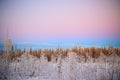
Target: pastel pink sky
(48, 19)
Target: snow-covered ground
(28, 67)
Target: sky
(59, 20)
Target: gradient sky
(39, 20)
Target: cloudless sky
(45, 20)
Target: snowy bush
(65, 66)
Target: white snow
(31, 68)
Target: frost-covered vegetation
(75, 64)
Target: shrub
(74, 49)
